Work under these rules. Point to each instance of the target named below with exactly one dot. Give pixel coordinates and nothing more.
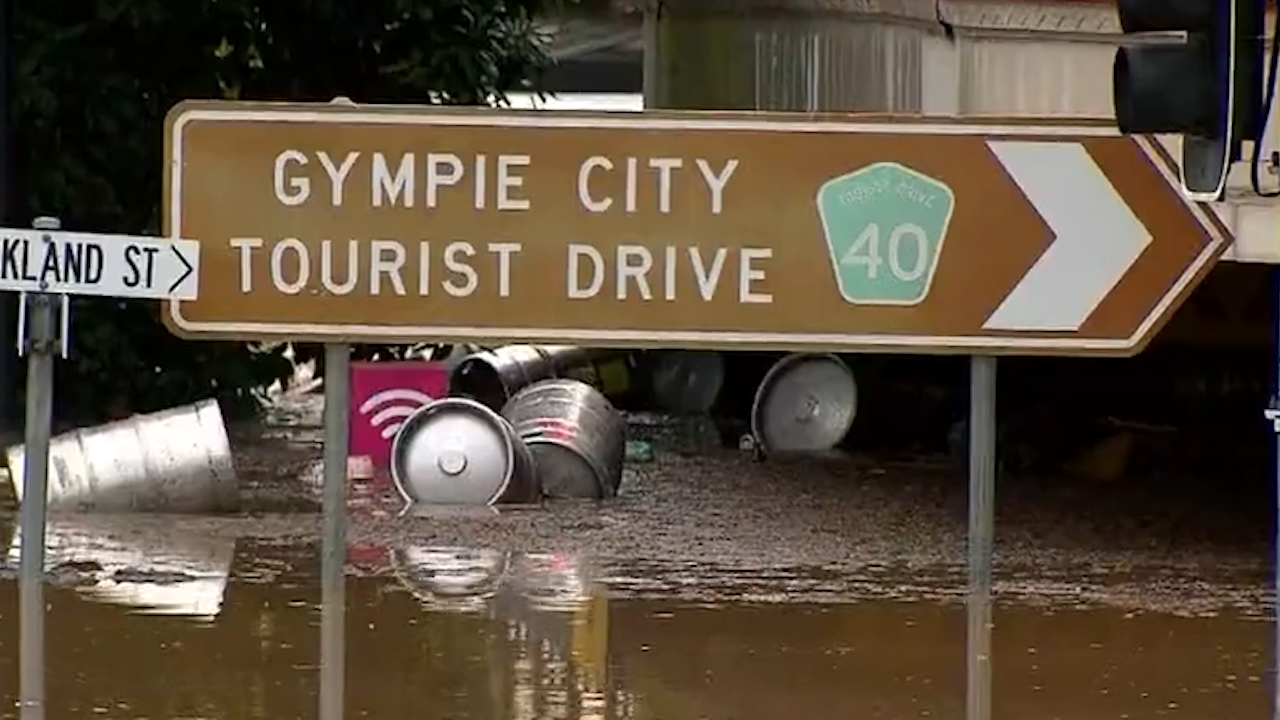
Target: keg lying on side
(456, 451)
(177, 460)
(577, 437)
(492, 377)
(685, 381)
(805, 403)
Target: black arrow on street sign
(185, 263)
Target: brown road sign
(391, 224)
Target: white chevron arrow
(1097, 238)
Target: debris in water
(639, 451)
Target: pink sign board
(383, 395)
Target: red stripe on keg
(551, 429)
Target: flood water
(712, 588)
(173, 621)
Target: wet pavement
(714, 587)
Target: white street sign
(1098, 238)
(123, 266)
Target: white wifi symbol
(397, 404)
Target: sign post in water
(47, 266)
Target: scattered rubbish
(577, 437)
(685, 381)
(747, 443)
(492, 377)
(303, 380)
(610, 375)
(448, 355)
(1106, 460)
(682, 434)
(1109, 458)
(456, 451)
(639, 451)
(360, 467)
(178, 460)
(805, 403)
(1013, 453)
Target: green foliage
(94, 78)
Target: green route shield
(885, 225)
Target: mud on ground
(857, 520)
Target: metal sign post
(1272, 414)
(337, 432)
(45, 266)
(337, 445)
(39, 313)
(982, 490)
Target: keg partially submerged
(577, 437)
(686, 381)
(177, 460)
(456, 451)
(805, 403)
(492, 377)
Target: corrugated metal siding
(980, 57)
(838, 66)
(859, 63)
(850, 64)
(1035, 77)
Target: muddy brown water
(708, 600)
(233, 632)
(712, 588)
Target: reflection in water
(153, 569)
(555, 581)
(548, 636)
(538, 639)
(451, 579)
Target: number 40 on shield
(884, 225)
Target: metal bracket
(22, 324)
(64, 327)
(1272, 413)
(25, 344)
